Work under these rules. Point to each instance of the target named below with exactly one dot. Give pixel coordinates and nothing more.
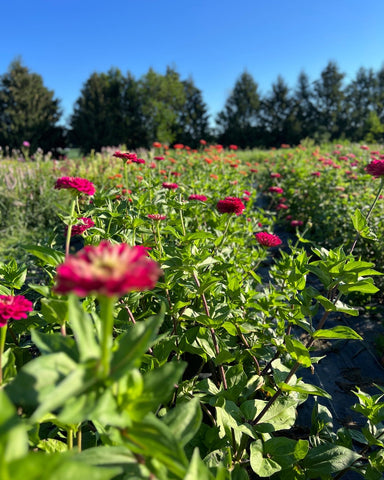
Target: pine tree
(238, 123)
(28, 111)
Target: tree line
(114, 109)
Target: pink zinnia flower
(233, 147)
(158, 158)
(138, 160)
(109, 270)
(375, 168)
(230, 205)
(15, 307)
(276, 189)
(296, 223)
(281, 206)
(268, 239)
(200, 198)
(170, 186)
(275, 175)
(125, 156)
(316, 174)
(81, 185)
(86, 222)
(26, 144)
(156, 216)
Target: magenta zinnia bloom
(296, 223)
(276, 189)
(86, 222)
(82, 185)
(156, 216)
(268, 239)
(13, 307)
(125, 156)
(230, 205)
(138, 160)
(170, 186)
(109, 270)
(375, 168)
(200, 198)
(26, 144)
(158, 158)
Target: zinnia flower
(296, 223)
(276, 189)
(200, 198)
(110, 270)
(86, 222)
(82, 185)
(13, 307)
(275, 175)
(138, 160)
(230, 205)
(158, 158)
(125, 156)
(375, 168)
(26, 144)
(156, 216)
(170, 186)
(233, 147)
(268, 239)
(156, 144)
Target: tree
(193, 123)
(238, 122)
(28, 111)
(329, 104)
(98, 117)
(162, 99)
(303, 108)
(278, 114)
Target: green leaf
(54, 310)
(337, 332)
(47, 255)
(264, 467)
(328, 459)
(365, 285)
(361, 226)
(298, 351)
(53, 343)
(285, 451)
(197, 469)
(153, 439)
(280, 416)
(184, 420)
(305, 388)
(133, 344)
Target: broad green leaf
(298, 351)
(184, 420)
(133, 344)
(328, 459)
(280, 416)
(47, 255)
(365, 285)
(197, 469)
(305, 388)
(361, 225)
(337, 332)
(54, 310)
(53, 343)
(285, 451)
(264, 467)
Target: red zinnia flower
(82, 185)
(125, 156)
(296, 223)
(170, 186)
(316, 174)
(203, 142)
(138, 160)
(233, 147)
(13, 307)
(268, 239)
(200, 198)
(230, 205)
(158, 158)
(375, 168)
(87, 222)
(110, 270)
(178, 146)
(276, 189)
(156, 144)
(156, 216)
(275, 175)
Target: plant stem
(213, 334)
(182, 218)
(224, 234)
(69, 230)
(3, 335)
(106, 315)
(70, 438)
(369, 213)
(79, 438)
(245, 342)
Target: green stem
(182, 219)
(369, 213)
(3, 335)
(159, 238)
(69, 231)
(224, 234)
(70, 438)
(106, 315)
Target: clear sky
(213, 41)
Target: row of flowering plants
(162, 340)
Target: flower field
(158, 308)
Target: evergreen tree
(135, 131)
(360, 103)
(329, 103)
(239, 122)
(28, 111)
(304, 110)
(98, 118)
(278, 114)
(193, 124)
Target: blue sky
(213, 41)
